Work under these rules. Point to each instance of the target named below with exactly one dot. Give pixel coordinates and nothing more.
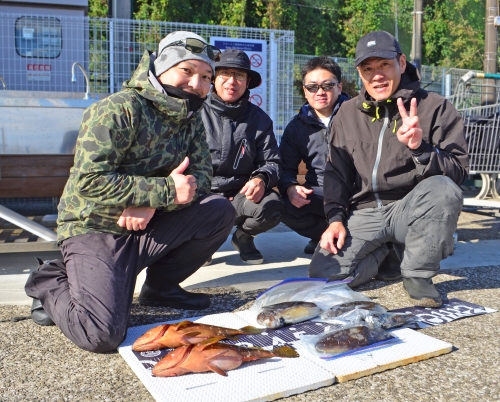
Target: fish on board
(391, 320)
(281, 314)
(185, 333)
(211, 355)
(347, 339)
(344, 308)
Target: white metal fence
(37, 53)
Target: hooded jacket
(369, 167)
(242, 144)
(306, 139)
(127, 146)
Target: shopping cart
(478, 102)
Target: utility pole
(121, 44)
(416, 45)
(490, 51)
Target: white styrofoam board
(263, 380)
(409, 347)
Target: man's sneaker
(174, 297)
(422, 292)
(207, 262)
(390, 269)
(311, 246)
(243, 242)
(38, 314)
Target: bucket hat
(238, 59)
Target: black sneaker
(390, 269)
(207, 262)
(38, 314)
(311, 246)
(174, 297)
(244, 244)
(422, 292)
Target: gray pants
(423, 221)
(89, 296)
(258, 217)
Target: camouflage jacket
(127, 146)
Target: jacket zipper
(240, 154)
(377, 159)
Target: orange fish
(211, 355)
(185, 333)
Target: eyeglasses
(196, 46)
(238, 75)
(327, 86)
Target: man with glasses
(397, 155)
(245, 155)
(138, 196)
(306, 139)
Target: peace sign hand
(410, 132)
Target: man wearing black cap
(245, 154)
(397, 156)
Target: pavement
(40, 364)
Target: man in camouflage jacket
(137, 196)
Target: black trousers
(308, 221)
(258, 217)
(89, 295)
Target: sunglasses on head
(326, 86)
(196, 46)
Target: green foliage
(453, 30)
(98, 8)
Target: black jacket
(306, 139)
(368, 166)
(242, 144)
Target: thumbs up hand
(185, 185)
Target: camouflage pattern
(127, 146)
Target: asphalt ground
(40, 364)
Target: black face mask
(194, 101)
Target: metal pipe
(490, 52)
(73, 78)
(3, 82)
(26, 224)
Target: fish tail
(285, 351)
(248, 330)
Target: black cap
(377, 44)
(234, 58)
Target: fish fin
(285, 351)
(182, 324)
(185, 338)
(251, 330)
(209, 341)
(216, 369)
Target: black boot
(243, 242)
(38, 314)
(311, 246)
(422, 292)
(174, 297)
(390, 269)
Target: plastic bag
(335, 293)
(293, 289)
(345, 340)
